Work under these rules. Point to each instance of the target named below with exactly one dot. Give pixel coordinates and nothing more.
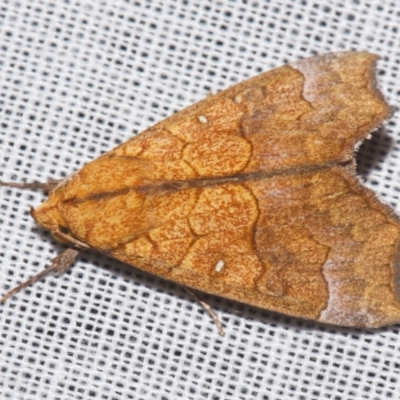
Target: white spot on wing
(203, 119)
(219, 266)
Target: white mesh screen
(79, 77)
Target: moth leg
(210, 311)
(58, 264)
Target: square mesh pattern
(79, 77)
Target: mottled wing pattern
(251, 194)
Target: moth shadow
(372, 152)
(236, 317)
(134, 279)
(274, 323)
(231, 313)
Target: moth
(250, 194)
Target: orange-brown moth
(250, 194)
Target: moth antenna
(50, 186)
(210, 311)
(45, 186)
(58, 264)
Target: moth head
(64, 223)
(47, 215)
